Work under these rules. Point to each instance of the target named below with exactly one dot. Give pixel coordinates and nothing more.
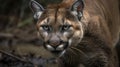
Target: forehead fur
(57, 15)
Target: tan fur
(102, 18)
(108, 12)
(92, 38)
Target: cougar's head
(59, 26)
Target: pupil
(65, 27)
(46, 28)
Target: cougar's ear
(77, 8)
(36, 8)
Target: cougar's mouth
(57, 50)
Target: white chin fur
(62, 53)
(60, 47)
(49, 47)
(70, 41)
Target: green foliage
(25, 22)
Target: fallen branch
(6, 35)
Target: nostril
(54, 43)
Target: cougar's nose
(54, 41)
(55, 45)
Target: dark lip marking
(56, 52)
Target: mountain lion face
(60, 28)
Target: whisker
(79, 51)
(71, 50)
(70, 56)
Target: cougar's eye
(46, 27)
(65, 27)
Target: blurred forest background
(16, 21)
(18, 34)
